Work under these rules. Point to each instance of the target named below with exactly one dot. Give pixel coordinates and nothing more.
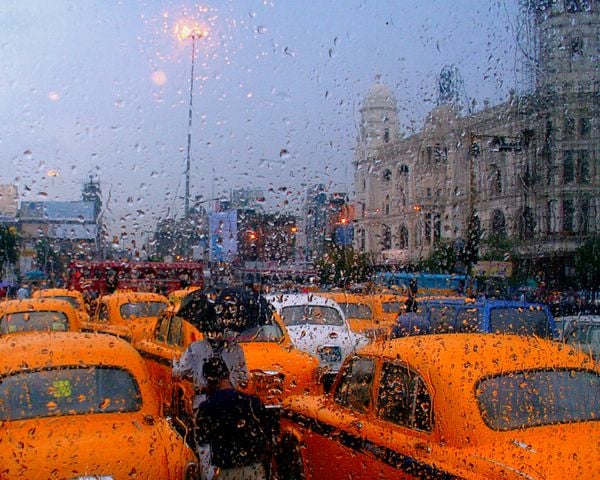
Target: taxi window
(142, 309)
(356, 310)
(582, 334)
(261, 333)
(103, 313)
(175, 332)
(311, 315)
(72, 300)
(520, 320)
(34, 321)
(468, 320)
(67, 391)
(354, 389)
(403, 398)
(441, 318)
(162, 328)
(392, 307)
(539, 397)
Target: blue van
(443, 315)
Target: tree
(470, 255)
(342, 266)
(47, 258)
(443, 259)
(587, 263)
(498, 248)
(8, 246)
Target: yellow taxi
(74, 297)
(471, 406)
(128, 315)
(276, 368)
(371, 313)
(37, 314)
(80, 407)
(391, 304)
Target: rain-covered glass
(354, 388)
(311, 315)
(522, 321)
(34, 321)
(539, 397)
(261, 333)
(142, 309)
(356, 310)
(67, 391)
(72, 300)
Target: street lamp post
(189, 136)
(185, 32)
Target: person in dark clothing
(411, 301)
(235, 425)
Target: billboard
(222, 236)
(492, 269)
(344, 234)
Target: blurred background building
(524, 172)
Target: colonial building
(526, 170)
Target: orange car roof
(68, 348)
(42, 304)
(485, 354)
(50, 292)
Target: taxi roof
(38, 304)
(51, 292)
(485, 354)
(39, 350)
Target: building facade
(526, 170)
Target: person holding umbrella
(220, 317)
(220, 314)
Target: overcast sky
(102, 87)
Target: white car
(581, 331)
(317, 325)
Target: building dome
(379, 96)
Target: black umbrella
(225, 309)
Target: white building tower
(379, 127)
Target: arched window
(386, 237)
(498, 226)
(386, 205)
(387, 175)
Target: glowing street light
(185, 31)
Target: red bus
(102, 277)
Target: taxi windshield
(34, 321)
(72, 300)
(142, 309)
(261, 333)
(311, 315)
(67, 391)
(539, 397)
(520, 320)
(356, 310)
